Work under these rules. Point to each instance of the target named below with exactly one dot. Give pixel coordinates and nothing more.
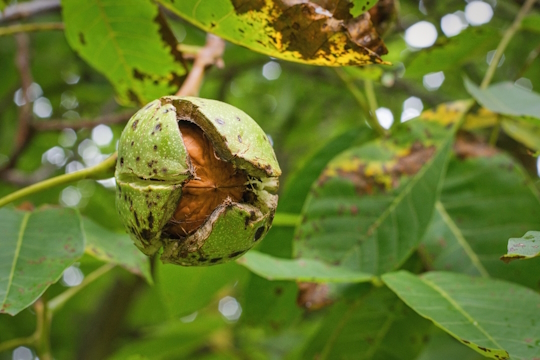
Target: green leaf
(361, 6)
(122, 41)
(525, 247)
(526, 130)
(171, 340)
(303, 32)
(115, 248)
(298, 183)
(444, 233)
(452, 53)
(495, 318)
(188, 289)
(372, 204)
(484, 202)
(370, 327)
(36, 248)
(531, 22)
(506, 98)
(273, 268)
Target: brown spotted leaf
(36, 247)
(129, 43)
(327, 33)
(372, 204)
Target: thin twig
(210, 54)
(528, 62)
(357, 94)
(56, 303)
(22, 28)
(60, 124)
(24, 130)
(28, 9)
(508, 34)
(99, 171)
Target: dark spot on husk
(278, 291)
(215, 260)
(151, 220)
(239, 139)
(146, 234)
(155, 147)
(121, 161)
(220, 121)
(258, 233)
(134, 125)
(235, 254)
(138, 158)
(158, 127)
(148, 106)
(136, 219)
(133, 142)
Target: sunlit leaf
(122, 40)
(35, 249)
(525, 247)
(372, 204)
(115, 248)
(526, 130)
(495, 318)
(273, 268)
(506, 98)
(305, 31)
(372, 326)
(485, 200)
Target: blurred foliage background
(312, 114)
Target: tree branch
(99, 171)
(209, 55)
(28, 9)
(24, 130)
(508, 34)
(60, 124)
(21, 28)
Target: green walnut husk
(153, 167)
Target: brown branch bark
(59, 124)
(209, 55)
(24, 130)
(28, 9)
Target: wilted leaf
(484, 202)
(373, 326)
(115, 248)
(506, 98)
(301, 31)
(525, 247)
(495, 318)
(36, 248)
(480, 119)
(122, 40)
(273, 268)
(372, 204)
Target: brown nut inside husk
(214, 183)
